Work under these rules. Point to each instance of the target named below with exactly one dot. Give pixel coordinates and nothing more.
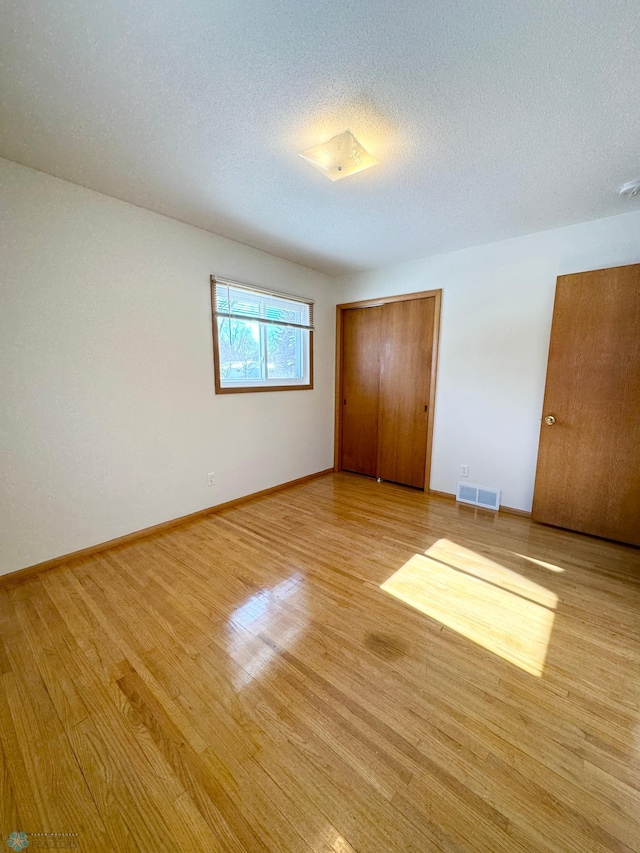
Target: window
(262, 340)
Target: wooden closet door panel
(405, 379)
(588, 474)
(360, 389)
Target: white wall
(496, 319)
(109, 422)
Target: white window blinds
(244, 302)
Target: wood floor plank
(207, 790)
(58, 682)
(133, 780)
(250, 683)
(61, 798)
(10, 818)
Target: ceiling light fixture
(340, 156)
(630, 189)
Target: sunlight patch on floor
(493, 606)
(468, 561)
(337, 843)
(541, 563)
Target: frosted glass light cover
(340, 156)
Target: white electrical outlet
(464, 470)
(211, 479)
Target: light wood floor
(245, 684)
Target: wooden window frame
(373, 303)
(250, 389)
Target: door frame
(374, 303)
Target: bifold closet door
(405, 381)
(361, 343)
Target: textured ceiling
(490, 118)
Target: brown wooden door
(405, 380)
(360, 389)
(588, 475)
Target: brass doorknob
(549, 420)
